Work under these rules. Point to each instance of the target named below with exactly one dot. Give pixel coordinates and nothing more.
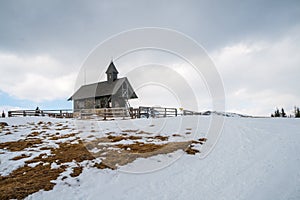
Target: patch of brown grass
(140, 147)
(20, 157)
(176, 135)
(203, 139)
(45, 127)
(109, 133)
(62, 136)
(33, 134)
(27, 180)
(144, 132)
(120, 138)
(69, 152)
(132, 137)
(130, 152)
(159, 137)
(76, 171)
(192, 151)
(66, 152)
(129, 131)
(20, 144)
(103, 166)
(2, 124)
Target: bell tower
(112, 72)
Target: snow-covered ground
(255, 158)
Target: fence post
(175, 112)
(139, 113)
(9, 114)
(104, 114)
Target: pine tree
(277, 113)
(282, 114)
(297, 112)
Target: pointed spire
(111, 68)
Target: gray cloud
(56, 26)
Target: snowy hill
(253, 159)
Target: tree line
(281, 113)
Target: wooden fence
(104, 113)
(188, 112)
(156, 112)
(63, 113)
(111, 113)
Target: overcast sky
(255, 46)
